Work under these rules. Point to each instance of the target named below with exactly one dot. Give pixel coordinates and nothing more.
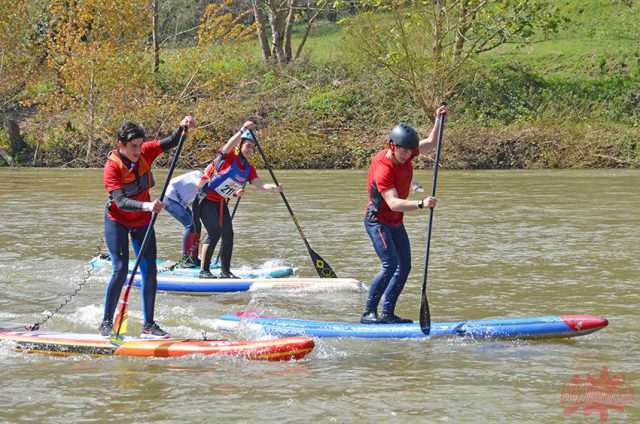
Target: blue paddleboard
(205, 286)
(168, 268)
(521, 328)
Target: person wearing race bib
(389, 182)
(223, 179)
(128, 179)
(180, 194)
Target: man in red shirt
(223, 179)
(389, 182)
(128, 178)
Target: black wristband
(420, 204)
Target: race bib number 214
(227, 188)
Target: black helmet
(405, 136)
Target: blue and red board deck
(562, 326)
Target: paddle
(121, 318)
(322, 267)
(425, 314)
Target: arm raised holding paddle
(389, 183)
(132, 213)
(224, 179)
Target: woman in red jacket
(223, 179)
(128, 178)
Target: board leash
(68, 297)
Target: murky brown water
(504, 244)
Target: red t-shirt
(113, 179)
(228, 161)
(385, 175)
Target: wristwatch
(420, 204)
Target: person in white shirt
(180, 194)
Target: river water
(505, 244)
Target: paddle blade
(425, 313)
(121, 319)
(322, 267)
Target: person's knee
(120, 271)
(390, 265)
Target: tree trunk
(311, 18)
(92, 114)
(6, 156)
(277, 31)
(260, 29)
(438, 31)
(462, 32)
(288, 31)
(16, 142)
(156, 37)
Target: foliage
(219, 25)
(93, 47)
(567, 99)
(500, 96)
(19, 51)
(425, 45)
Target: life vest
(135, 181)
(230, 180)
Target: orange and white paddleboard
(61, 343)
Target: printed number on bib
(227, 188)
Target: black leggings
(209, 215)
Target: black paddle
(322, 267)
(120, 324)
(425, 314)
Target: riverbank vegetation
(530, 85)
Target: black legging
(209, 214)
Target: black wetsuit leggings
(209, 215)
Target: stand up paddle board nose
(584, 324)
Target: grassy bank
(571, 100)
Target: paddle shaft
(322, 267)
(425, 314)
(147, 235)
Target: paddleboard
(63, 344)
(207, 286)
(521, 328)
(168, 268)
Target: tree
(221, 25)
(282, 15)
(425, 45)
(97, 50)
(20, 60)
(18, 53)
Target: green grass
(598, 30)
(330, 109)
